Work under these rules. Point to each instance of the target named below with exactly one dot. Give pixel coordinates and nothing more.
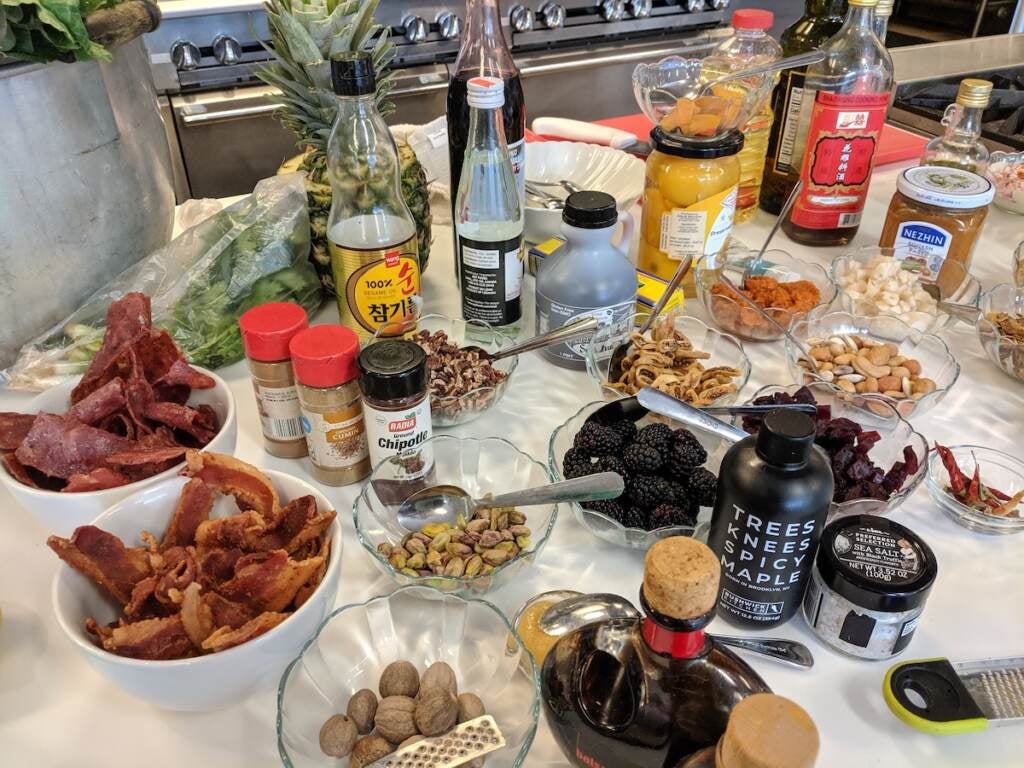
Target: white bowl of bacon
(216, 604)
(84, 445)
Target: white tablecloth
(55, 711)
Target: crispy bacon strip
(225, 637)
(244, 531)
(102, 557)
(193, 508)
(250, 487)
(306, 590)
(13, 429)
(62, 448)
(99, 479)
(153, 639)
(298, 523)
(268, 581)
(196, 616)
(225, 612)
(97, 406)
(143, 603)
(217, 565)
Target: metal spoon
(567, 332)
(623, 349)
(568, 186)
(754, 266)
(444, 503)
(962, 312)
(579, 611)
(546, 199)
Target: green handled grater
(939, 696)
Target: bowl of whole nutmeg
(464, 384)
(395, 674)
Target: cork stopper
(681, 578)
(768, 731)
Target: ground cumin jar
(936, 215)
(326, 376)
(689, 202)
(266, 333)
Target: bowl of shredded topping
(1006, 170)
(679, 355)
(1001, 328)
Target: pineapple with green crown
(305, 35)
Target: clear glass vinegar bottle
(844, 104)
(749, 45)
(960, 145)
(883, 12)
(488, 215)
(371, 233)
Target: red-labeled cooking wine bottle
(774, 491)
(648, 692)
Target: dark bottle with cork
(649, 692)
(774, 491)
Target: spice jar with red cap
(326, 372)
(266, 332)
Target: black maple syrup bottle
(648, 692)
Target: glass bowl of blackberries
(878, 459)
(668, 472)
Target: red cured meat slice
(63, 447)
(18, 470)
(99, 479)
(128, 320)
(104, 402)
(158, 353)
(119, 424)
(182, 374)
(13, 428)
(181, 417)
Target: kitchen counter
(56, 712)
(956, 57)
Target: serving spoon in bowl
(564, 333)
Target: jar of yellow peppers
(689, 200)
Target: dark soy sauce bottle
(774, 491)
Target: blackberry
(686, 455)
(576, 463)
(626, 429)
(670, 514)
(634, 517)
(648, 491)
(703, 486)
(642, 459)
(597, 440)
(613, 464)
(609, 507)
(658, 436)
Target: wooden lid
(681, 578)
(768, 731)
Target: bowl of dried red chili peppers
(980, 488)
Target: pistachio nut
(473, 565)
(459, 550)
(440, 541)
(455, 567)
(416, 561)
(432, 529)
(515, 517)
(519, 530)
(496, 556)
(523, 542)
(416, 546)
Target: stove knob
(613, 10)
(641, 9)
(449, 25)
(553, 15)
(521, 18)
(227, 50)
(185, 55)
(693, 6)
(719, 5)
(415, 29)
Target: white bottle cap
(485, 92)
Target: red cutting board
(894, 146)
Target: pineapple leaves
(301, 47)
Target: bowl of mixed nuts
(880, 356)
(463, 384)
(413, 670)
(1001, 328)
(472, 556)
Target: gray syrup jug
(588, 275)
(774, 491)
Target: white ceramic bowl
(207, 682)
(591, 167)
(61, 513)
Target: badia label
(378, 287)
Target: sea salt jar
(869, 585)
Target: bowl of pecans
(679, 355)
(463, 385)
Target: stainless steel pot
(85, 185)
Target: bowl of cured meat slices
(126, 424)
(195, 592)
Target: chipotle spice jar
(266, 332)
(937, 214)
(324, 357)
(869, 585)
(393, 379)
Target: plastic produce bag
(250, 253)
